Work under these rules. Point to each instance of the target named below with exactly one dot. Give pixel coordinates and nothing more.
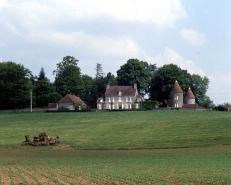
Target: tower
(189, 97)
(176, 96)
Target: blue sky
(195, 35)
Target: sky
(195, 35)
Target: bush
(221, 108)
(150, 104)
(63, 109)
(79, 106)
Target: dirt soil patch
(62, 147)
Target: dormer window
(120, 93)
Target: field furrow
(37, 177)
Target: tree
(206, 102)
(163, 80)
(199, 87)
(135, 71)
(99, 71)
(15, 86)
(90, 96)
(45, 91)
(153, 68)
(111, 79)
(68, 77)
(96, 88)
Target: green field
(148, 147)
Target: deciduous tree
(45, 91)
(135, 71)
(68, 77)
(15, 86)
(163, 80)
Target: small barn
(69, 102)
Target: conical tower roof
(189, 94)
(176, 88)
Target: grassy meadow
(148, 147)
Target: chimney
(108, 85)
(135, 85)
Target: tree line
(16, 82)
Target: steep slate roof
(71, 99)
(176, 88)
(125, 91)
(189, 94)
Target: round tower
(189, 97)
(176, 96)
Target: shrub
(150, 104)
(224, 107)
(79, 106)
(63, 109)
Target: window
(128, 106)
(119, 93)
(176, 97)
(137, 105)
(176, 105)
(101, 100)
(120, 98)
(111, 99)
(138, 99)
(128, 99)
(109, 106)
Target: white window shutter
(113, 99)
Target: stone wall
(23, 110)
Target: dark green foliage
(79, 106)
(149, 104)
(164, 78)
(199, 86)
(63, 109)
(95, 88)
(221, 108)
(206, 102)
(135, 71)
(90, 97)
(111, 79)
(15, 86)
(45, 91)
(68, 77)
